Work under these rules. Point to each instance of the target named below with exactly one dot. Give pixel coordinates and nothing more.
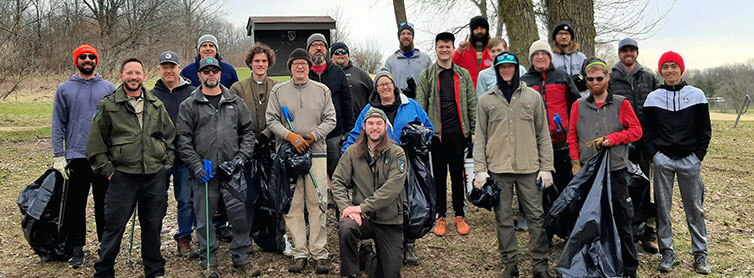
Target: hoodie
(228, 77)
(72, 113)
(172, 98)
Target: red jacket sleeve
(629, 120)
(573, 135)
(458, 57)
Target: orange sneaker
(463, 228)
(440, 226)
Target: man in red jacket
(475, 61)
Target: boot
(409, 254)
(184, 246)
(77, 260)
(247, 269)
(700, 264)
(297, 265)
(322, 266)
(667, 261)
(511, 271)
(213, 272)
(650, 246)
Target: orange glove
(309, 138)
(297, 141)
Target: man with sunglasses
(215, 124)
(606, 120)
(359, 82)
(72, 112)
(407, 62)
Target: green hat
(375, 113)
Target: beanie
(478, 21)
(83, 49)
(563, 25)
(315, 37)
(375, 113)
(339, 45)
(382, 73)
(537, 46)
(671, 56)
(207, 38)
(405, 26)
(299, 53)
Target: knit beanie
(478, 21)
(83, 49)
(315, 37)
(299, 53)
(405, 26)
(563, 25)
(537, 46)
(375, 112)
(382, 73)
(207, 38)
(671, 56)
(339, 45)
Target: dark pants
(333, 154)
(623, 214)
(80, 178)
(125, 192)
(645, 212)
(448, 155)
(562, 163)
(387, 261)
(183, 196)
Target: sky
(705, 33)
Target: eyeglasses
(385, 85)
(90, 56)
(212, 70)
(598, 78)
(340, 52)
(407, 23)
(300, 64)
(505, 58)
(320, 45)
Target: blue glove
(558, 122)
(208, 169)
(201, 174)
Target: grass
(727, 172)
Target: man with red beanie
(677, 133)
(72, 112)
(475, 61)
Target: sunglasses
(598, 78)
(212, 70)
(340, 52)
(505, 58)
(90, 56)
(407, 23)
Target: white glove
(546, 177)
(480, 178)
(59, 163)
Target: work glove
(309, 138)
(546, 179)
(480, 178)
(575, 167)
(297, 141)
(204, 172)
(596, 143)
(59, 163)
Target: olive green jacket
(255, 96)
(116, 142)
(377, 187)
(428, 96)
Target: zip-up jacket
(559, 92)
(570, 63)
(256, 97)
(360, 85)
(468, 60)
(335, 79)
(402, 68)
(216, 134)
(227, 78)
(635, 86)
(428, 96)
(172, 98)
(677, 122)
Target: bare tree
(342, 23)
(607, 52)
(521, 26)
(736, 82)
(367, 55)
(400, 12)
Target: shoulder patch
(401, 166)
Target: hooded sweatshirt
(228, 77)
(72, 113)
(172, 98)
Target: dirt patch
(715, 116)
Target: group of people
(526, 129)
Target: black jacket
(635, 86)
(172, 98)
(335, 79)
(360, 85)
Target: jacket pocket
(123, 150)
(526, 112)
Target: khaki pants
(305, 197)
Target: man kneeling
(375, 168)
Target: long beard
(318, 59)
(483, 38)
(407, 48)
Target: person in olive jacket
(375, 169)
(131, 142)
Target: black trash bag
(638, 190)
(277, 192)
(267, 229)
(593, 248)
(236, 182)
(40, 206)
(298, 164)
(566, 208)
(420, 185)
(486, 197)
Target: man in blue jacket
(207, 47)
(72, 112)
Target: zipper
(439, 115)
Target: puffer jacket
(636, 92)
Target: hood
(675, 88)
(76, 78)
(159, 85)
(505, 88)
(618, 67)
(374, 98)
(398, 54)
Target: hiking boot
(77, 259)
(224, 235)
(650, 246)
(700, 264)
(322, 266)
(184, 246)
(463, 228)
(409, 254)
(667, 261)
(541, 274)
(521, 224)
(247, 269)
(297, 265)
(212, 273)
(365, 250)
(440, 226)
(511, 271)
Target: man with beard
(75, 105)
(374, 168)
(407, 62)
(479, 59)
(215, 125)
(359, 81)
(629, 79)
(131, 143)
(172, 89)
(335, 79)
(208, 47)
(566, 55)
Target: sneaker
(463, 228)
(224, 235)
(288, 251)
(440, 226)
(511, 271)
(77, 260)
(667, 261)
(184, 246)
(322, 266)
(521, 224)
(365, 250)
(247, 269)
(409, 254)
(700, 264)
(650, 247)
(297, 265)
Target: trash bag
(420, 185)
(277, 192)
(566, 208)
(236, 182)
(267, 227)
(40, 205)
(268, 230)
(638, 190)
(298, 164)
(593, 246)
(486, 197)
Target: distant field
(245, 72)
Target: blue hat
(627, 42)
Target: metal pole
(744, 109)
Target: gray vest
(594, 123)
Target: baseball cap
(206, 62)
(628, 42)
(169, 57)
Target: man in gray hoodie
(72, 112)
(407, 62)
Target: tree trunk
(400, 12)
(518, 16)
(581, 14)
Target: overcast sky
(705, 33)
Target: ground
(26, 153)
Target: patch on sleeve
(401, 166)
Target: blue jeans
(183, 195)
